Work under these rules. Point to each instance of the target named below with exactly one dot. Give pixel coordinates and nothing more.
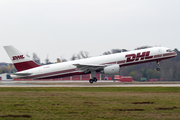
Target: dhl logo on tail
(18, 57)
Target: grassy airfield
(90, 103)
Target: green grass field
(90, 103)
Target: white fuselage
(122, 59)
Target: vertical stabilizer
(20, 60)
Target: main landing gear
(93, 78)
(158, 68)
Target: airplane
(106, 64)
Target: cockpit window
(169, 50)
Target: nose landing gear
(158, 68)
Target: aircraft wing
(89, 67)
(23, 74)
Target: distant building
(123, 78)
(5, 76)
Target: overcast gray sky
(66, 27)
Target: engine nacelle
(111, 70)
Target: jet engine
(111, 70)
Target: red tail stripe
(25, 65)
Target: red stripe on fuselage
(157, 56)
(64, 75)
(170, 54)
(25, 65)
(121, 62)
(56, 74)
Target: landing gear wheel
(91, 81)
(95, 79)
(158, 69)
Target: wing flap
(23, 74)
(89, 67)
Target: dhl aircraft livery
(107, 64)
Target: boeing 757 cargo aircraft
(107, 64)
